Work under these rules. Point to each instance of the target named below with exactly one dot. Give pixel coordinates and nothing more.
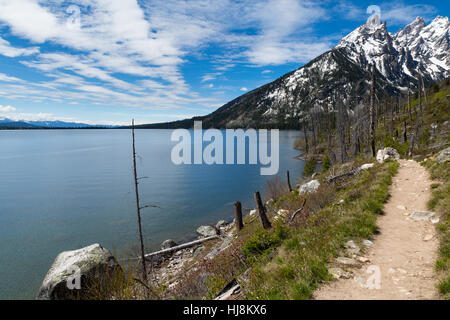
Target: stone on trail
(421, 215)
(367, 243)
(387, 153)
(72, 271)
(363, 259)
(339, 273)
(352, 247)
(347, 262)
(351, 244)
(435, 220)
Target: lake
(66, 189)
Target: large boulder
(206, 231)
(309, 187)
(387, 153)
(444, 155)
(73, 271)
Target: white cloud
(9, 51)
(210, 76)
(6, 108)
(266, 71)
(244, 89)
(401, 14)
(6, 78)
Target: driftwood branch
(298, 211)
(180, 247)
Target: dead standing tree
(262, 211)
(138, 207)
(372, 111)
(341, 129)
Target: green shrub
(310, 168)
(326, 163)
(264, 241)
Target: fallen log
(343, 175)
(180, 247)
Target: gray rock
(309, 187)
(367, 243)
(351, 244)
(169, 243)
(352, 247)
(338, 273)
(444, 155)
(367, 166)
(206, 231)
(221, 224)
(92, 263)
(387, 153)
(421, 215)
(347, 262)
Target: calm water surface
(66, 189)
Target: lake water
(66, 189)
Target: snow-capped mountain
(343, 73)
(399, 56)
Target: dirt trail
(403, 250)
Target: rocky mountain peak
(342, 74)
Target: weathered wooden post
(262, 211)
(238, 216)
(288, 178)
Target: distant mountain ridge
(340, 74)
(8, 123)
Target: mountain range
(8, 123)
(341, 74)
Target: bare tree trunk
(409, 102)
(238, 216)
(424, 89)
(372, 111)
(138, 208)
(262, 211)
(313, 128)
(305, 134)
(288, 179)
(414, 137)
(405, 135)
(420, 97)
(392, 120)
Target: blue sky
(107, 61)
